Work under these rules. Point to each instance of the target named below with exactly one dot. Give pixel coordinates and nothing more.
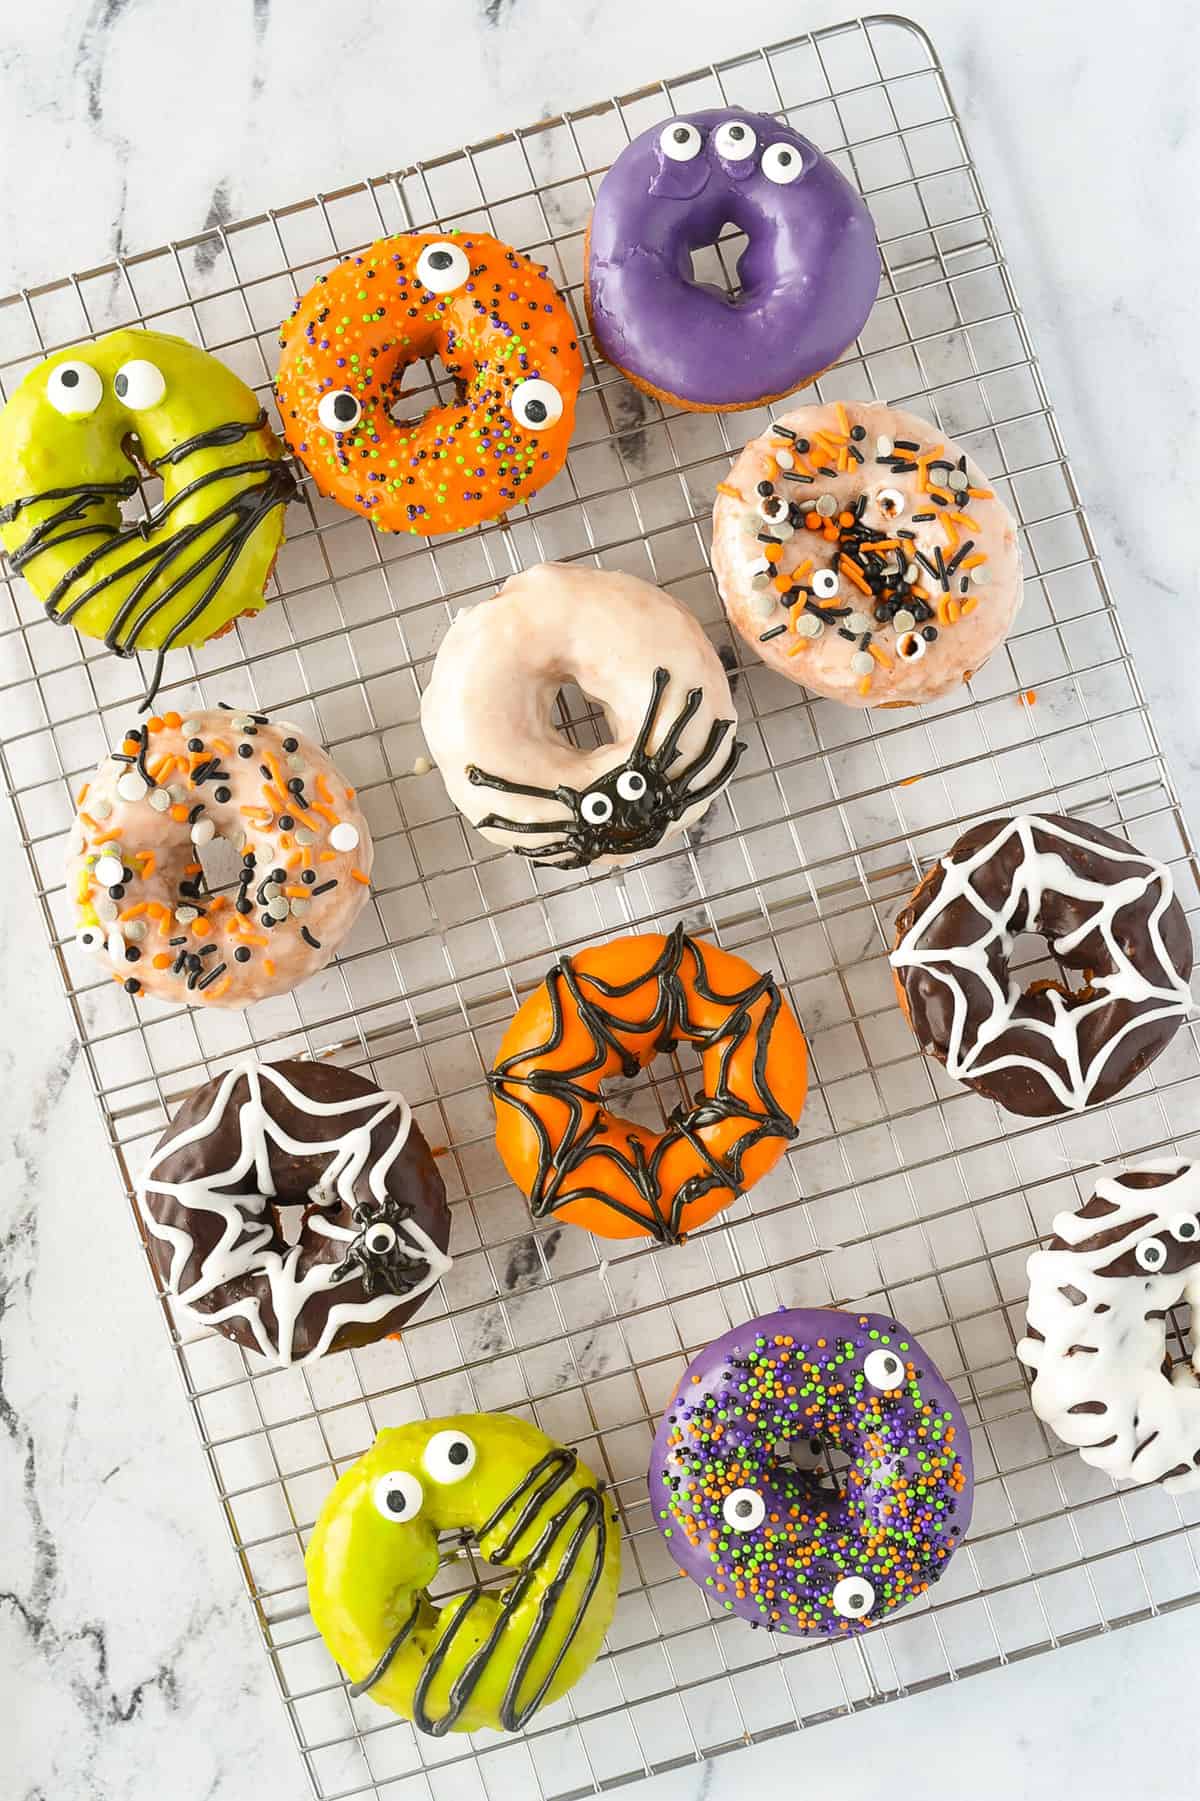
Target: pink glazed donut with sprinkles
(136, 876)
(787, 1548)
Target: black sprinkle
(213, 974)
(309, 939)
(923, 518)
(245, 750)
(904, 444)
(774, 632)
(131, 985)
(241, 954)
(326, 886)
(221, 794)
(290, 744)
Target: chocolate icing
(1107, 1039)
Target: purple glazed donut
(808, 275)
(779, 1545)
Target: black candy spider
(379, 1252)
(631, 806)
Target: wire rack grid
(903, 1193)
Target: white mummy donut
(489, 716)
(1096, 1342)
(309, 1137)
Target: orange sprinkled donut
(607, 1012)
(503, 334)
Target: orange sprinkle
(220, 988)
(179, 812)
(268, 966)
(199, 927)
(192, 868)
(173, 720)
(909, 780)
(82, 795)
(1029, 698)
(864, 684)
(843, 421)
(360, 877)
(155, 723)
(216, 902)
(880, 656)
(132, 912)
(772, 552)
(726, 488)
(323, 788)
(981, 493)
(847, 568)
(162, 960)
(969, 605)
(131, 746)
(782, 582)
(296, 890)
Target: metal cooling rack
(904, 1193)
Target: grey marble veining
(129, 1660)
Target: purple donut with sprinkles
(782, 1546)
(807, 278)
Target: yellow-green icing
(491, 1656)
(205, 553)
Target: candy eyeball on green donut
(398, 1496)
(139, 384)
(74, 389)
(449, 1456)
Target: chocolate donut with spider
(1099, 1298)
(492, 722)
(265, 1138)
(1103, 908)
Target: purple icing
(777, 1543)
(809, 273)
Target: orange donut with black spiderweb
(607, 1012)
(505, 337)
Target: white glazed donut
(134, 867)
(489, 716)
(1098, 1299)
(860, 551)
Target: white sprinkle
(809, 626)
(903, 621)
(136, 930)
(190, 728)
(300, 908)
(785, 459)
(295, 763)
(762, 605)
(979, 578)
(178, 793)
(344, 836)
(304, 837)
(240, 721)
(783, 531)
(279, 908)
(958, 481)
(185, 915)
(270, 890)
(826, 505)
(858, 622)
(884, 447)
(106, 910)
(203, 832)
(160, 800)
(109, 869)
(100, 808)
(862, 662)
(131, 786)
(115, 944)
(421, 766)
(911, 574)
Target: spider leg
(681, 799)
(661, 679)
(501, 824)
(666, 751)
(479, 778)
(708, 749)
(541, 853)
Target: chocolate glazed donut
(1104, 909)
(263, 1139)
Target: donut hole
(1037, 969)
(818, 1461)
(220, 863)
(717, 263)
(584, 722)
(418, 387)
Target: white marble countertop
(129, 1660)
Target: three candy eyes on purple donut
(735, 142)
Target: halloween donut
(861, 552)
(489, 717)
(786, 1547)
(1096, 1341)
(607, 1012)
(806, 280)
(71, 441)
(135, 873)
(1104, 909)
(505, 338)
(267, 1137)
(489, 1657)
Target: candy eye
(339, 410)
(825, 584)
(781, 163)
(631, 785)
(90, 939)
(1186, 1228)
(441, 267)
(449, 1456)
(772, 507)
(891, 502)
(139, 384)
(680, 141)
(883, 1370)
(735, 141)
(911, 645)
(379, 1238)
(597, 809)
(74, 390)
(398, 1496)
(853, 1597)
(1151, 1254)
(537, 405)
(744, 1509)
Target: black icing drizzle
(535, 1489)
(552, 1188)
(245, 510)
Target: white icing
(246, 1248)
(1105, 1348)
(1042, 872)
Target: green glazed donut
(71, 439)
(491, 1656)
